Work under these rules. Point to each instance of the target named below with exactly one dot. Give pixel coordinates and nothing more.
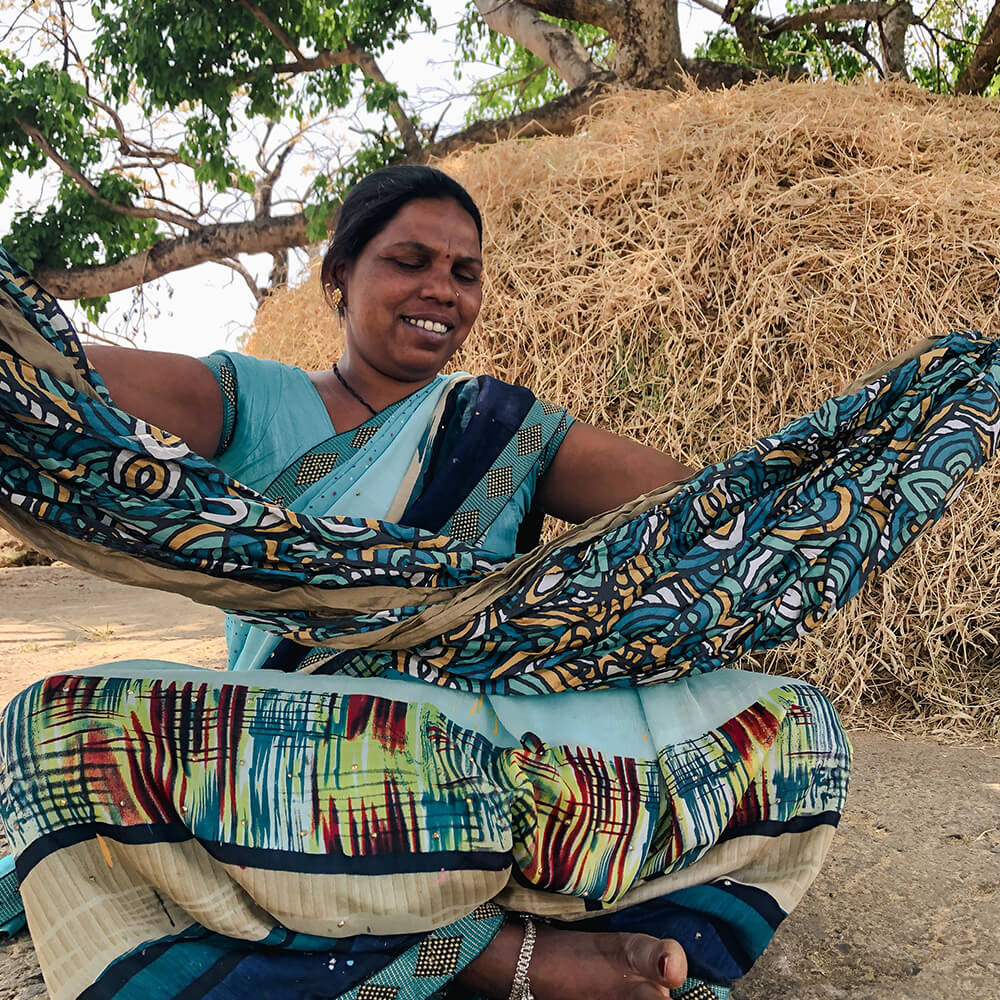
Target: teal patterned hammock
(749, 553)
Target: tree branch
(64, 24)
(985, 61)
(275, 234)
(892, 38)
(714, 8)
(606, 14)
(131, 147)
(845, 38)
(859, 11)
(366, 62)
(263, 190)
(713, 74)
(557, 117)
(350, 55)
(251, 283)
(221, 240)
(87, 185)
(287, 42)
(556, 46)
(747, 27)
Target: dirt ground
(907, 907)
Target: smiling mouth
(428, 325)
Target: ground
(907, 907)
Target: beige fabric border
(783, 866)
(92, 902)
(26, 341)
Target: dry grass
(695, 271)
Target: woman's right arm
(172, 391)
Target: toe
(672, 964)
(661, 961)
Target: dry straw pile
(696, 270)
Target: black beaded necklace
(364, 403)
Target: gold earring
(336, 297)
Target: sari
(187, 833)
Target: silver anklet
(520, 989)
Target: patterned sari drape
(751, 552)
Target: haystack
(695, 270)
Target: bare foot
(571, 965)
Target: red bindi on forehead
(443, 219)
(420, 247)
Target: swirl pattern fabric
(751, 552)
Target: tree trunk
(985, 61)
(648, 50)
(893, 35)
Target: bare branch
(263, 191)
(713, 74)
(366, 62)
(258, 293)
(892, 36)
(714, 8)
(985, 61)
(846, 38)
(65, 34)
(87, 185)
(556, 46)
(747, 27)
(606, 14)
(350, 55)
(285, 39)
(148, 155)
(859, 11)
(326, 59)
(557, 117)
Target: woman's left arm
(594, 471)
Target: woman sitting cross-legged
(340, 822)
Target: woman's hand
(595, 471)
(172, 391)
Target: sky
(209, 307)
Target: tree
(188, 130)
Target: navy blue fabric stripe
(343, 864)
(40, 848)
(263, 858)
(285, 975)
(213, 967)
(775, 828)
(217, 973)
(464, 460)
(286, 656)
(117, 975)
(757, 899)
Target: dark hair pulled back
(374, 201)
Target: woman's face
(414, 291)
